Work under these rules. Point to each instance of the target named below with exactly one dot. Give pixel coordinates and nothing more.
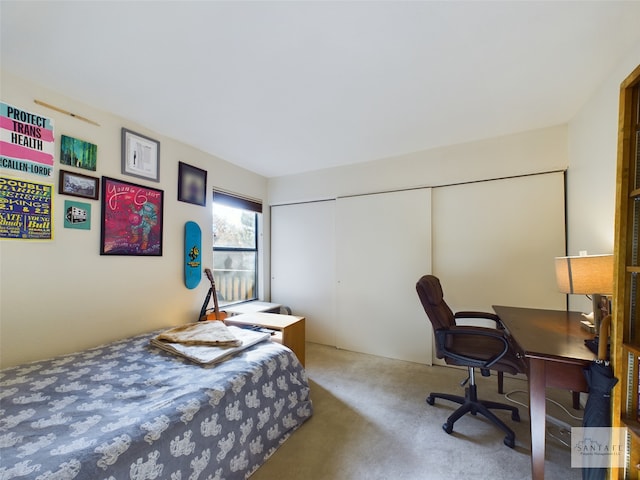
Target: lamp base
(600, 309)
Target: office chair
(472, 347)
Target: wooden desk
(552, 342)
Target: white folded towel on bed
(201, 333)
(211, 354)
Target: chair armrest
(463, 315)
(441, 339)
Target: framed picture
(77, 215)
(78, 153)
(192, 184)
(131, 219)
(140, 156)
(78, 185)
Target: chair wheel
(515, 416)
(510, 442)
(447, 427)
(431, 400)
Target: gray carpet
(371, 422)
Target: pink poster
(26, 141)
(131, 219)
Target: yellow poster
(26, 209)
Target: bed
(129, 410)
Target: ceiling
(281, 88)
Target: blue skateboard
(192, 254)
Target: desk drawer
(567, 376)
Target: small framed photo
(140, 156)
(77, 215)
(78, 185)
(131, 221)
(192, 184)
(78, 153)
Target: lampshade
(585, 275)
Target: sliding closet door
(383, 246)
(494, 242)
(303, 265)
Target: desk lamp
(590, 275)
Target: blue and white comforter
(127, 410)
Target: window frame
(247, 205)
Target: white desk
(252, 307)
(290, 330)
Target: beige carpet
(371, 421)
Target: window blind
(237, 201)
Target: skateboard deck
(192, 254)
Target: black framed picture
(78, 185)
(131, 219)
(192, 184)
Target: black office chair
(472, 347)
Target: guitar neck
(209, 274)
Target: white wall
(60, 296)
(520, 154)
(494, 242)
(586, 147)
(591, 180)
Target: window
(235, 247)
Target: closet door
(383, 246)
(494, 242)
(303, 265)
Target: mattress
(128, 410)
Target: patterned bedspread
(128, 410)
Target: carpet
(371, 421)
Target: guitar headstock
(207, 271)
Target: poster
(26, 141)
(26, 209)
(131, 219)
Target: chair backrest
(430, 293)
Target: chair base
(470, 404)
